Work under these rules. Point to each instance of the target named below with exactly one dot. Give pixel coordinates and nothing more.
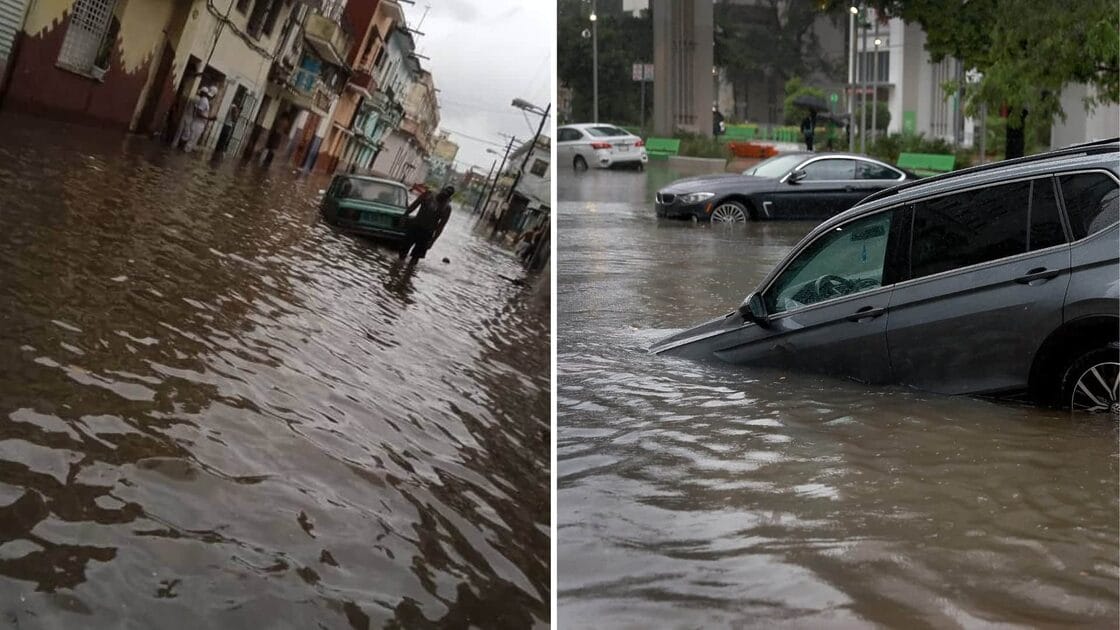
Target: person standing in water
(432, 214)
(199, 113)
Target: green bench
(739, 133)
(662, 147)
(927, 163)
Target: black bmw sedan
(788, 186)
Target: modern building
(1080, 125)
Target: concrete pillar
(683, 44)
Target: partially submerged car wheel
(579, 163)
(1092, 382)
(729, 212)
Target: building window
(273, 14)
(88, 45)
(263, 12)
(880, 73)
(539, 168)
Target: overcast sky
(483, 54)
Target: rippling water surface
(215, 411)
(711, 496)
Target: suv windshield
(776, 166)
(381, 192)
(606, 132)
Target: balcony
(363, 81)
(327, 38)
(304, 88)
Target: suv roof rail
(1087, 148)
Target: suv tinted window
(871, 170)
(846, 260)
(830, 170)
(1091, 202)
(1046, 221)
(969, 228)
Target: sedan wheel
(729, 212)
(579, 163)
(1097, 385)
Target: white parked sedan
(600, 145)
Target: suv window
(871, 170)
(830, 170)
(969, 228)
(1046, 220)
(1092, 202)
(846, 260)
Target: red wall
(38, 86)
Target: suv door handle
(1034, 276)
(866, 313)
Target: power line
(476, 139)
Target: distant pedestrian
(432, 213)
(807, 129)
(718, 128)
(198, 114)
(227, 129)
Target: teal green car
(366, 205)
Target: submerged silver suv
(1002, 279)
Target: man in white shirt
(198, 115)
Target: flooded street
(715, 496)
(216, 411)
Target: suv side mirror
(754, 310)
(796, 176)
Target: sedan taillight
(640, 143)
(600, 145)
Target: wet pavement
(216, 411)
(710, 496)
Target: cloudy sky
(483, 54)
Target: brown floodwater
(217, 411)
(708, 496)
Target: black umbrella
(812, 103)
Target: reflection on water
(714, 496)
(216, 411)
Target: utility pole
(875, 81)
(594, 63)
(863, 91)
(496, 176)
(485, 183)
(851, 77)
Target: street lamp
(853, 11)
(594, 17)
(875, 85)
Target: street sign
(642, 71)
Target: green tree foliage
(623, 41)
(882, 120)
(1026, 50)
(773, 38)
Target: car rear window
(969, 228)
(1092, 202)
(871, 170)
(606, 132)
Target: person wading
(199, 113)
(432, 214)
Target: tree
(623, 41)
(773, 39)
(1027, 51)
(794, 114)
